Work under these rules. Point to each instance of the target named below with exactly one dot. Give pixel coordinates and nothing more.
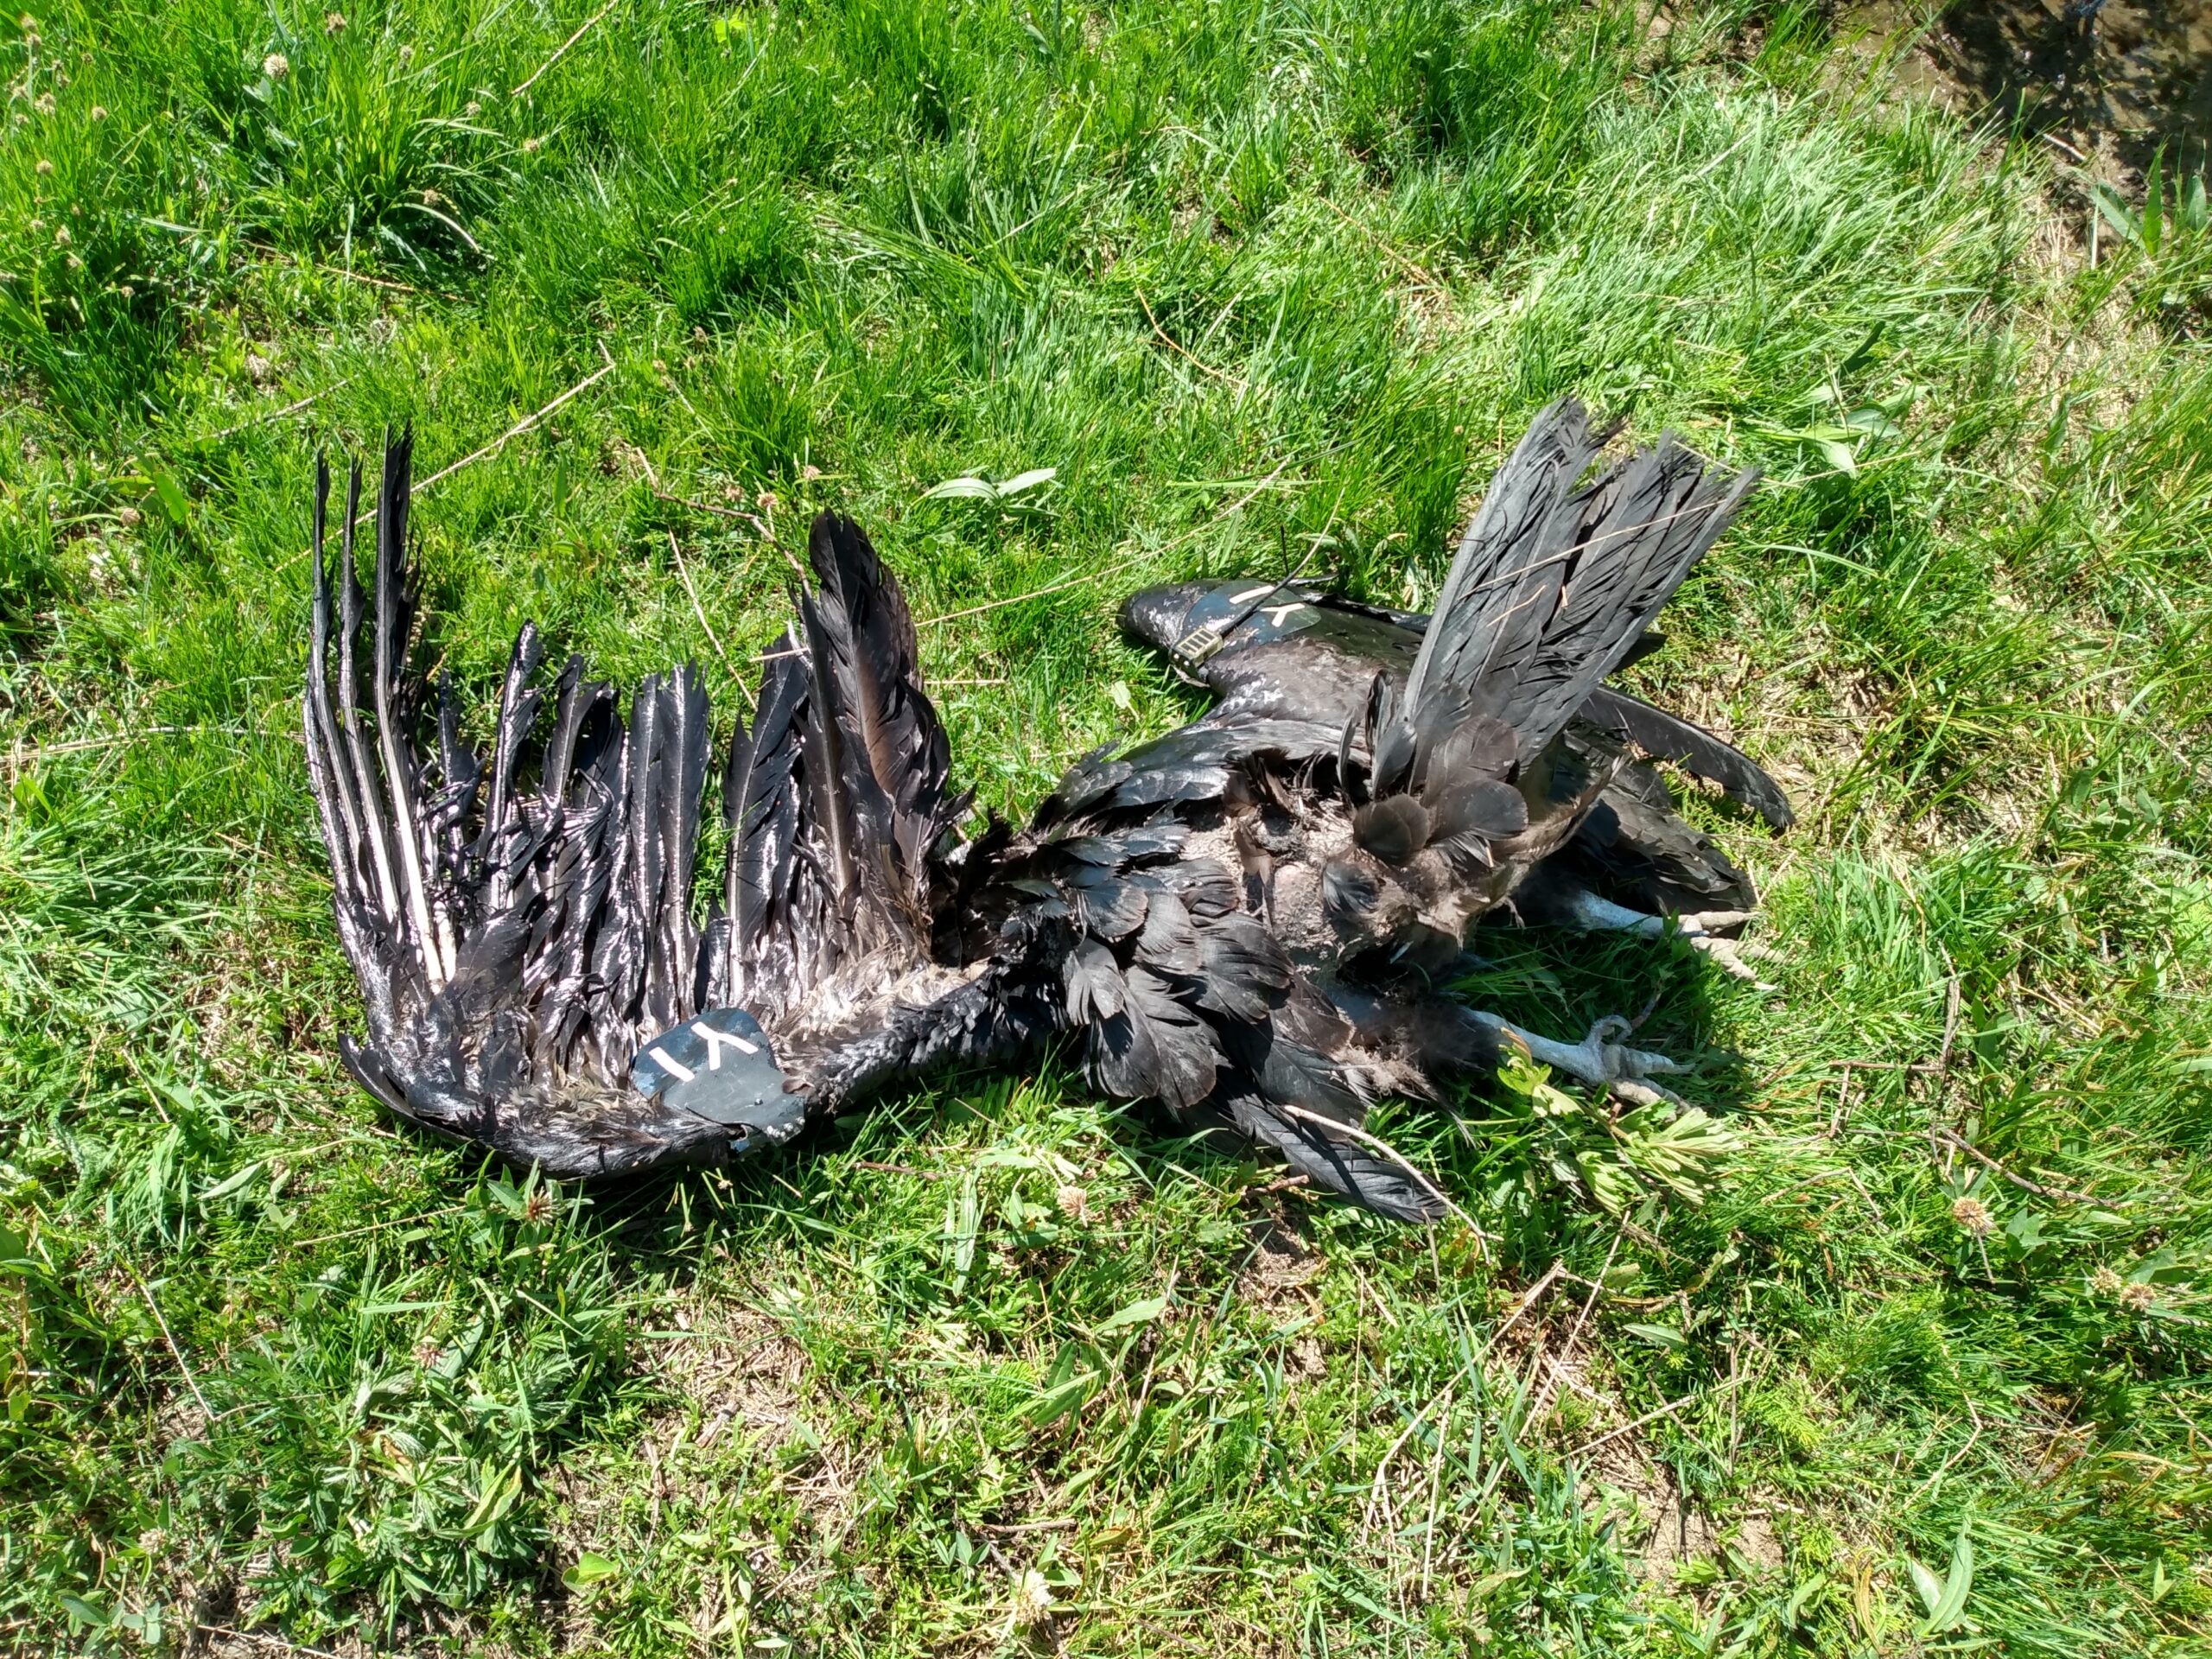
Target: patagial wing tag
(719, 1065)
(1265, 611)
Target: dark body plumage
(1239, 920)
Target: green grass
(269, 1362)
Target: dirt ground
(2117, 80)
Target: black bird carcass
(1242, 920)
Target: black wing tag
(1273, 610)
(719, 1065)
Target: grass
(1244, 274)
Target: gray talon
(1735, 956)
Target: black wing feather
(1669, 737)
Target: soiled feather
(1206, 889)
(1169, 939)
(1478, 806)
(1350, 894)
(1246, 970)
(1156, 1046)
(1093, 979)
(1393, 829)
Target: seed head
(276, 66)
(43, 168)
(2105, 1282)
(333, 23)
(99, 112)
(127, 516)
(1973, 1215)
(45, 104)
(472, 109)
(61, 236)
(406, 54)
(1032, 1598)
(538, 1206)
(2138, 1298)
(530, 146)
(1074, 1203)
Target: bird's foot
(1600, 1059)
(1705, 931)
(1735, 956)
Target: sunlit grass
(1247, 276)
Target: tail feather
(1635, 541)
(1554, 584)
(1507, 574)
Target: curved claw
(1699, 923)
(1734, 956)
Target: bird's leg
(1600, 1058)
(1700, 929)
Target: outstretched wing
(521, 921)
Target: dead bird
(1235, 920)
